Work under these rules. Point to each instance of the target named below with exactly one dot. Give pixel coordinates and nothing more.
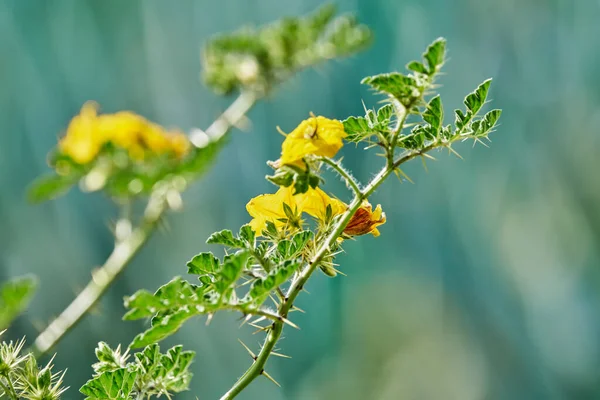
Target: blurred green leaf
(50, 186)
(259, 59)
(15, 296)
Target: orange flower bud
(365, 220)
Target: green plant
(270, 260)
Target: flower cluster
(89, 132)
(315, 136)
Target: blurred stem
(129, 244)
(125, 249)
(8, 388)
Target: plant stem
(257, 367)
(102, 278)
(126, 249)
(350, 181)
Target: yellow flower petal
(317, 135)
(315, 202)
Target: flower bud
(365, 220)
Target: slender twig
(274, 333)
(348, 178)
(126, 248)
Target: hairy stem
(126, 248)
(257, 367)
(348, 178)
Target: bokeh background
(485, 281)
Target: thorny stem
(126, 248)
(274, 333)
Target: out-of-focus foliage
(22, 378)
(257, 59)
(15, 296)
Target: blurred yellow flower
(83, 141)
(365, 220)
(316, 135)
(88, 132)
(269, 207)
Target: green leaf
(111, 385)
(233, 265)
(109, 359)
(247, 235)
(175, 294)
(202, 264)
(165, 372)
(362, 128)
(261, 287)
(50, 186)
(434, 116)
(402, 87)
(475, 100)
(417, 66)
(487, 123)
(259, 59)
(15, 296)
(163, 326)
(434, 55)
(225, 237)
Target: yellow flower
(83, 141)
(316, 201)
(365, 220)
(88, 132)
(269, 207)
(317, 135)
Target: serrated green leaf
(225, 237)
(15, 296)
(434, 55)
(417, 67)
(434, 116)
(163, 326)
(247, 235)
(202, 264)
(402, 87)
(233, 265)
(475, 100)
(111, 385)
(172, 295)
(462, 119)
(384, 114)
(487, 123)
(261, 287)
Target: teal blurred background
(485, 281)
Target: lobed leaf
(110, 385)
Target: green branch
(126, 248)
